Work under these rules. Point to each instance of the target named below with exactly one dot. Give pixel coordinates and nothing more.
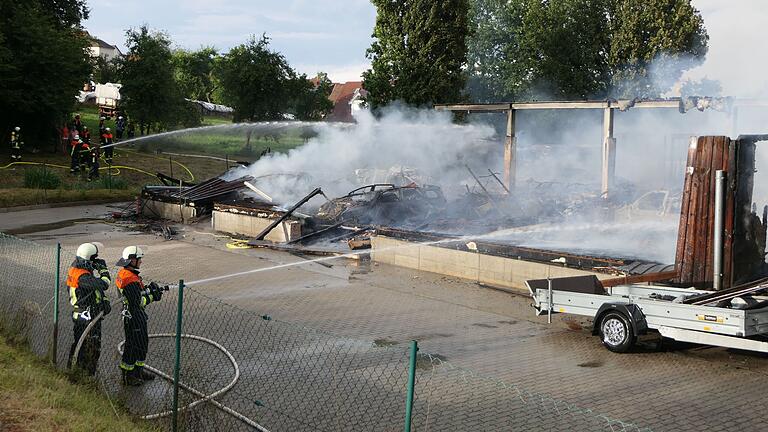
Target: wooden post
(510, 148)
(609, 153)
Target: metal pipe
(411, 385)
(549, 301)
(717, 281)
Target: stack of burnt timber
(744, 234)
(188, 202)
(208, 191)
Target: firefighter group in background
(85, 152)
(74, 138)
(88, 280)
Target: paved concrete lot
(360, 305)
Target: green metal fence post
(54, 348)
(177, 366)
(411, 384)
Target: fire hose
(203, 397)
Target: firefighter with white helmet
(136, 296)
(88, 279)
(16, 144)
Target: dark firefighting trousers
(136, 342)
(108, 153)
(90, 351)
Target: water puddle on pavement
(29, 229)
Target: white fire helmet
(132, 252)
(88, 251)
(107, 129)
(77, 137)
(17, 128)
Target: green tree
(43, 65)
(194, 72)
(149, 93)
(652, 43)
(418, 53)
(256, 82)
(575, 49)
(310, 100)
(107, 71)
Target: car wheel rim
(614, 332)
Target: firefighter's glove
(106, 306)
(104, 275)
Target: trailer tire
(616, 332)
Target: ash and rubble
(549, 215)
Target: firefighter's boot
(144, 375)
(131, 378)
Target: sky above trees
(332, 35)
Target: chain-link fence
(241, 370)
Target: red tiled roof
(346, 89)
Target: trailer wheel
(616, 332)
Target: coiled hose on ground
(203, 397)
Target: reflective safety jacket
(15, 140)
(135, 295)
(85, 290)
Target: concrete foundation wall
(249, 225)
(487, 269)
(163, 210)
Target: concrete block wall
(487, 269)
(163, 210)
(248, 225)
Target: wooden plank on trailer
(703, 236)
(685, 204)
(686, 272)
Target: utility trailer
(736, 318)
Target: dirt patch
(483, 325)
(384, 342)
(48, 226)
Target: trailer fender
(630, 310)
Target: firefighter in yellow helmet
(88, 279)
(136, 296)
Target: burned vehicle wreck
(385, 204)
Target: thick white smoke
(420, 144)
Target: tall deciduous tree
(418, 53)
(256, 82)
(310, 99)
(194, 72)
(575, 49)
(150, 94)
(43, 64)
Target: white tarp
(211, 106)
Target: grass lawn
(36, 397)
(135, 164)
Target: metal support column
(510, 150)
(609, 153)
(177, 366)
(717, 244)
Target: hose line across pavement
(203, 397)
